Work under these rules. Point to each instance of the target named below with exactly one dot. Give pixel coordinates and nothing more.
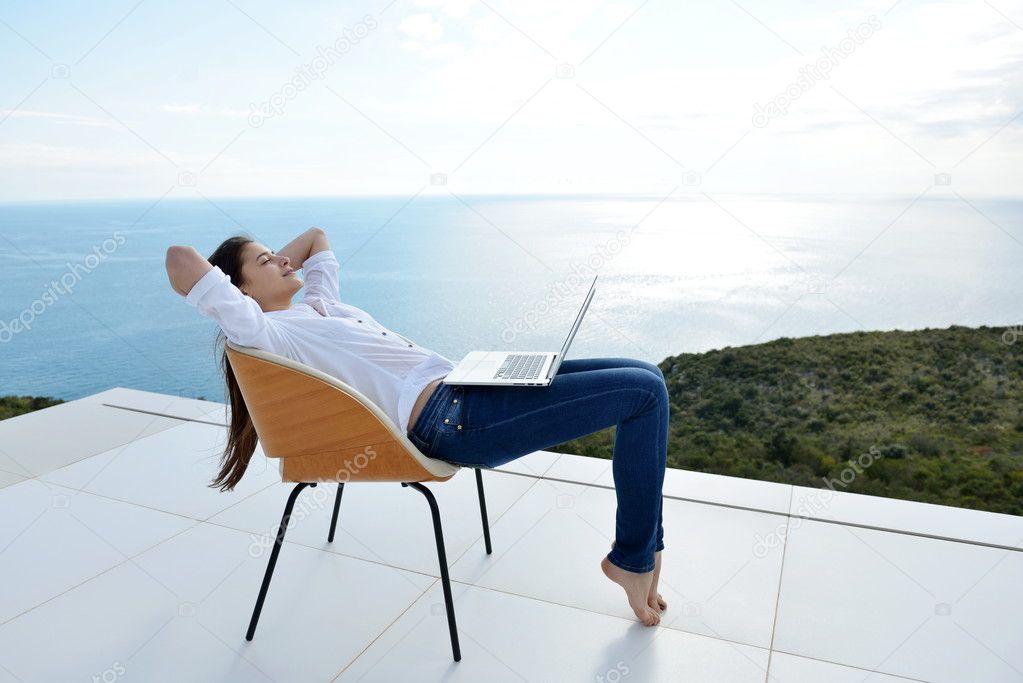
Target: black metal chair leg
(483, 509)
(337, 505)
(273, 556)
(442, 557)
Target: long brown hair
(241, 435)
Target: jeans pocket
(423, 443)
(449, 416)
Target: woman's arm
(304, 246)
(213, 294)
(185, 267)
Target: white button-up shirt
(339, 339)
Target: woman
(247, 288)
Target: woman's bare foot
(637, 588)
(654, 598)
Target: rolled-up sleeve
(238, 315)
(320, 272)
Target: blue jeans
(487, 426)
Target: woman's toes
(648, 616)
(657, 602)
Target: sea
(86, 304)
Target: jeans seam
(428, 414)
(434, 410)
(427, 444)
(581, 398)
(432, 441)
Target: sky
(228, 98)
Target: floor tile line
(451, 563)
(492, 522)
(38, 476)
(675, 497)
(495, 520)
(13, 675)
(159, 414)
(922, 534)
(240, 655)
(533, 598)
(131, 502)
(919, 534)
(388, 650)
(493, 656)
(743, 654)
(122, 447)
(384, 630)
(27, 475)
(81, 583)
(851, 666)
(905, 532)
(242, 500)
(531, 473)
(777, 594)
(331, 552)
(628, 620)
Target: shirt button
(445, 420)
(455, 401)
(459, 426)
(383, 333)
(359, 321)
(410, 346)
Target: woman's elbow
(178, 252)
(319, 242)
(180, 262)
(176, 256)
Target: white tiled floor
(170, 471)
(57, 537)
(507, 637)
(38, 442)
(119, 561)
(918, 607)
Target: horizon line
(510, 195)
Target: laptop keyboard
(520, 366)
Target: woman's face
(268, 278)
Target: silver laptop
(521, 368)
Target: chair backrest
(322, 429)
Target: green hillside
(12, 406)
(928, 415)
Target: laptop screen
(575, 326)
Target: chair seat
(337, 466)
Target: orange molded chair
(323, 430)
